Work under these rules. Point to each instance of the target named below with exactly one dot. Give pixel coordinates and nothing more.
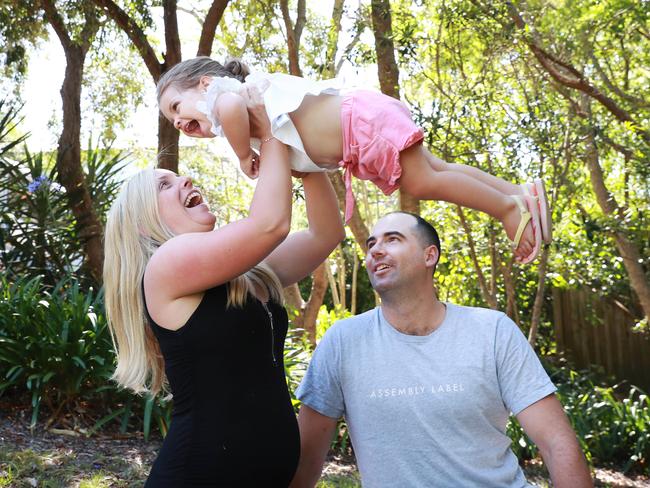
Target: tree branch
(292, 42)
(301, 20)
(212, 19)
(135, 34)
(56, 21)
(172, 41)
(571, 77)
(489, 298)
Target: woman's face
(182, 207)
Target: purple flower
(37, 183)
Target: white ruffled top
(283, 94)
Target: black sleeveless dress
(233, 424)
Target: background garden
(552, 88)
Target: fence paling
(591, 329)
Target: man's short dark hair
(425, 231)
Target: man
(426, 387)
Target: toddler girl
(370, 135)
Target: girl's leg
(495, 182)
(423, 181)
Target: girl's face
(179, 107)
(181, 205)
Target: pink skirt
(376, 128)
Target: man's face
(396, 256)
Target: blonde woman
(197, 307)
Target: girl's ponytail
(237, 69)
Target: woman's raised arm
(303, 251)
(195, 261)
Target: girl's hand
(250, 165)
(260, 126)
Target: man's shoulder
(354, 324)
(477, 315)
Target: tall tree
(294, 33)
(134, 19)
(76, 38)
(628, 250)
(388, 72)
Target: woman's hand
(260, 126)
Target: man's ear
(431, 255)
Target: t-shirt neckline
(450, 311)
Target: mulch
(127, 458)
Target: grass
(53, 469)
(340, 481)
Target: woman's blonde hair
(134, 230)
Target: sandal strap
(525, 218)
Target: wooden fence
(593, 330)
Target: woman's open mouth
(193, 199)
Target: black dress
(233, 424)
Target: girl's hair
(187, 74)
(134, 230)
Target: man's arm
(548, 427)
(316, 432)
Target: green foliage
(327, 318)
(113, 80)
(55, 343)
(612, 422)
(56, 346)
(38, 232)
(21, 26)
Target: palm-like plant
(38, 232)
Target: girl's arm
(232, 112)
(303, 251)
(194, 262)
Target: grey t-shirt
(428, 411)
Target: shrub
(38, 232)
(612, 422)
(55, 344)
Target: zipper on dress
(268, 312)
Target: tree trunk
(340, 277)
(356, 224)
(316, 297)
(539, 297)
(293, 298)
(293, 34)
(167, 135)
(355, 274)
(167, 144)
(333, 39)
(334, 289)
(388, 72)
(68, 159)
(489, 297)
(628, 250)
(511, 294)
